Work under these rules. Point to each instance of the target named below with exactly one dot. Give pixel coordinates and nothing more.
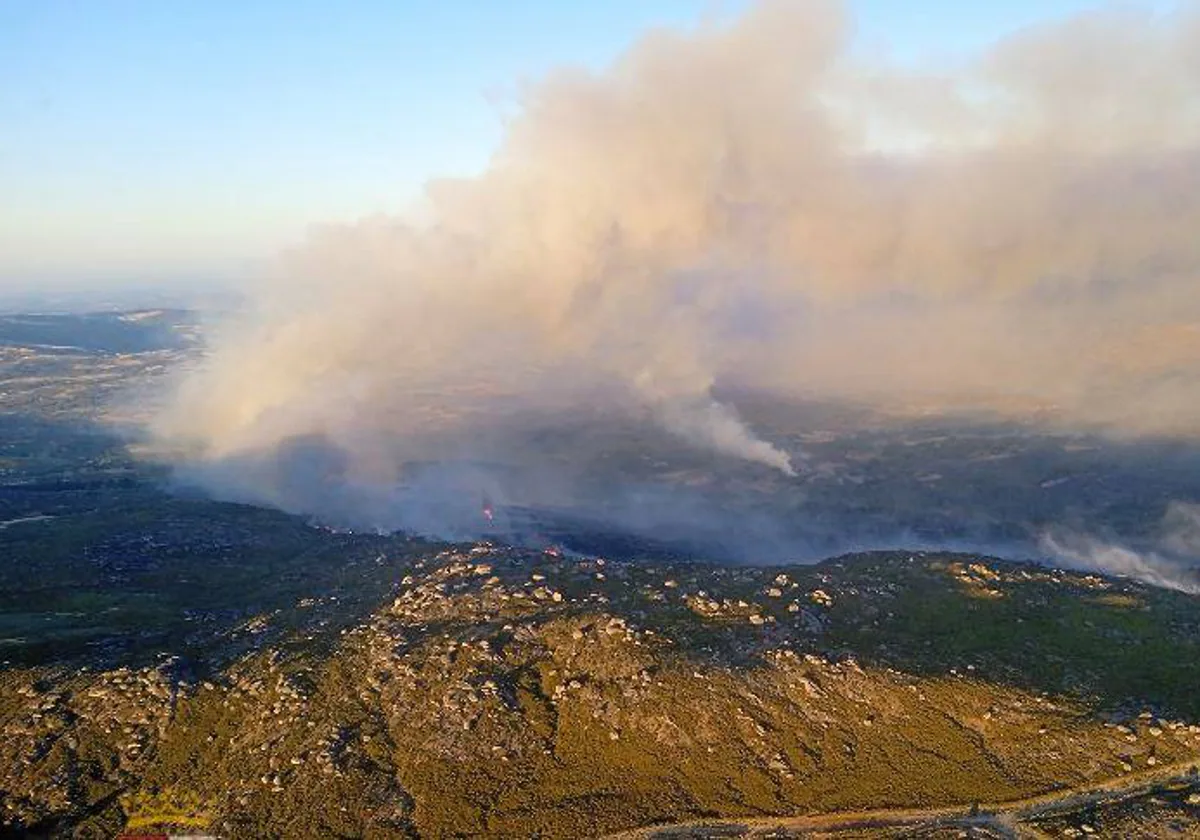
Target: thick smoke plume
(749, 205)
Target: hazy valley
(594, 661)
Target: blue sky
(144, 139)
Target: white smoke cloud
(1171, 558)
(717, 426)
(1082, 551)
(728, 205)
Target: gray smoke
(1170, 560)
(742, 205)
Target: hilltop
(514, 693)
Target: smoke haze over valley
(785, 422)
(679, 273)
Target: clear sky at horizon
(182, 140)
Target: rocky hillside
(514, 693)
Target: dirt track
(1003, 818)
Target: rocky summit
(507, 692)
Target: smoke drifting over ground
(1162, 560)
(747, 205)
